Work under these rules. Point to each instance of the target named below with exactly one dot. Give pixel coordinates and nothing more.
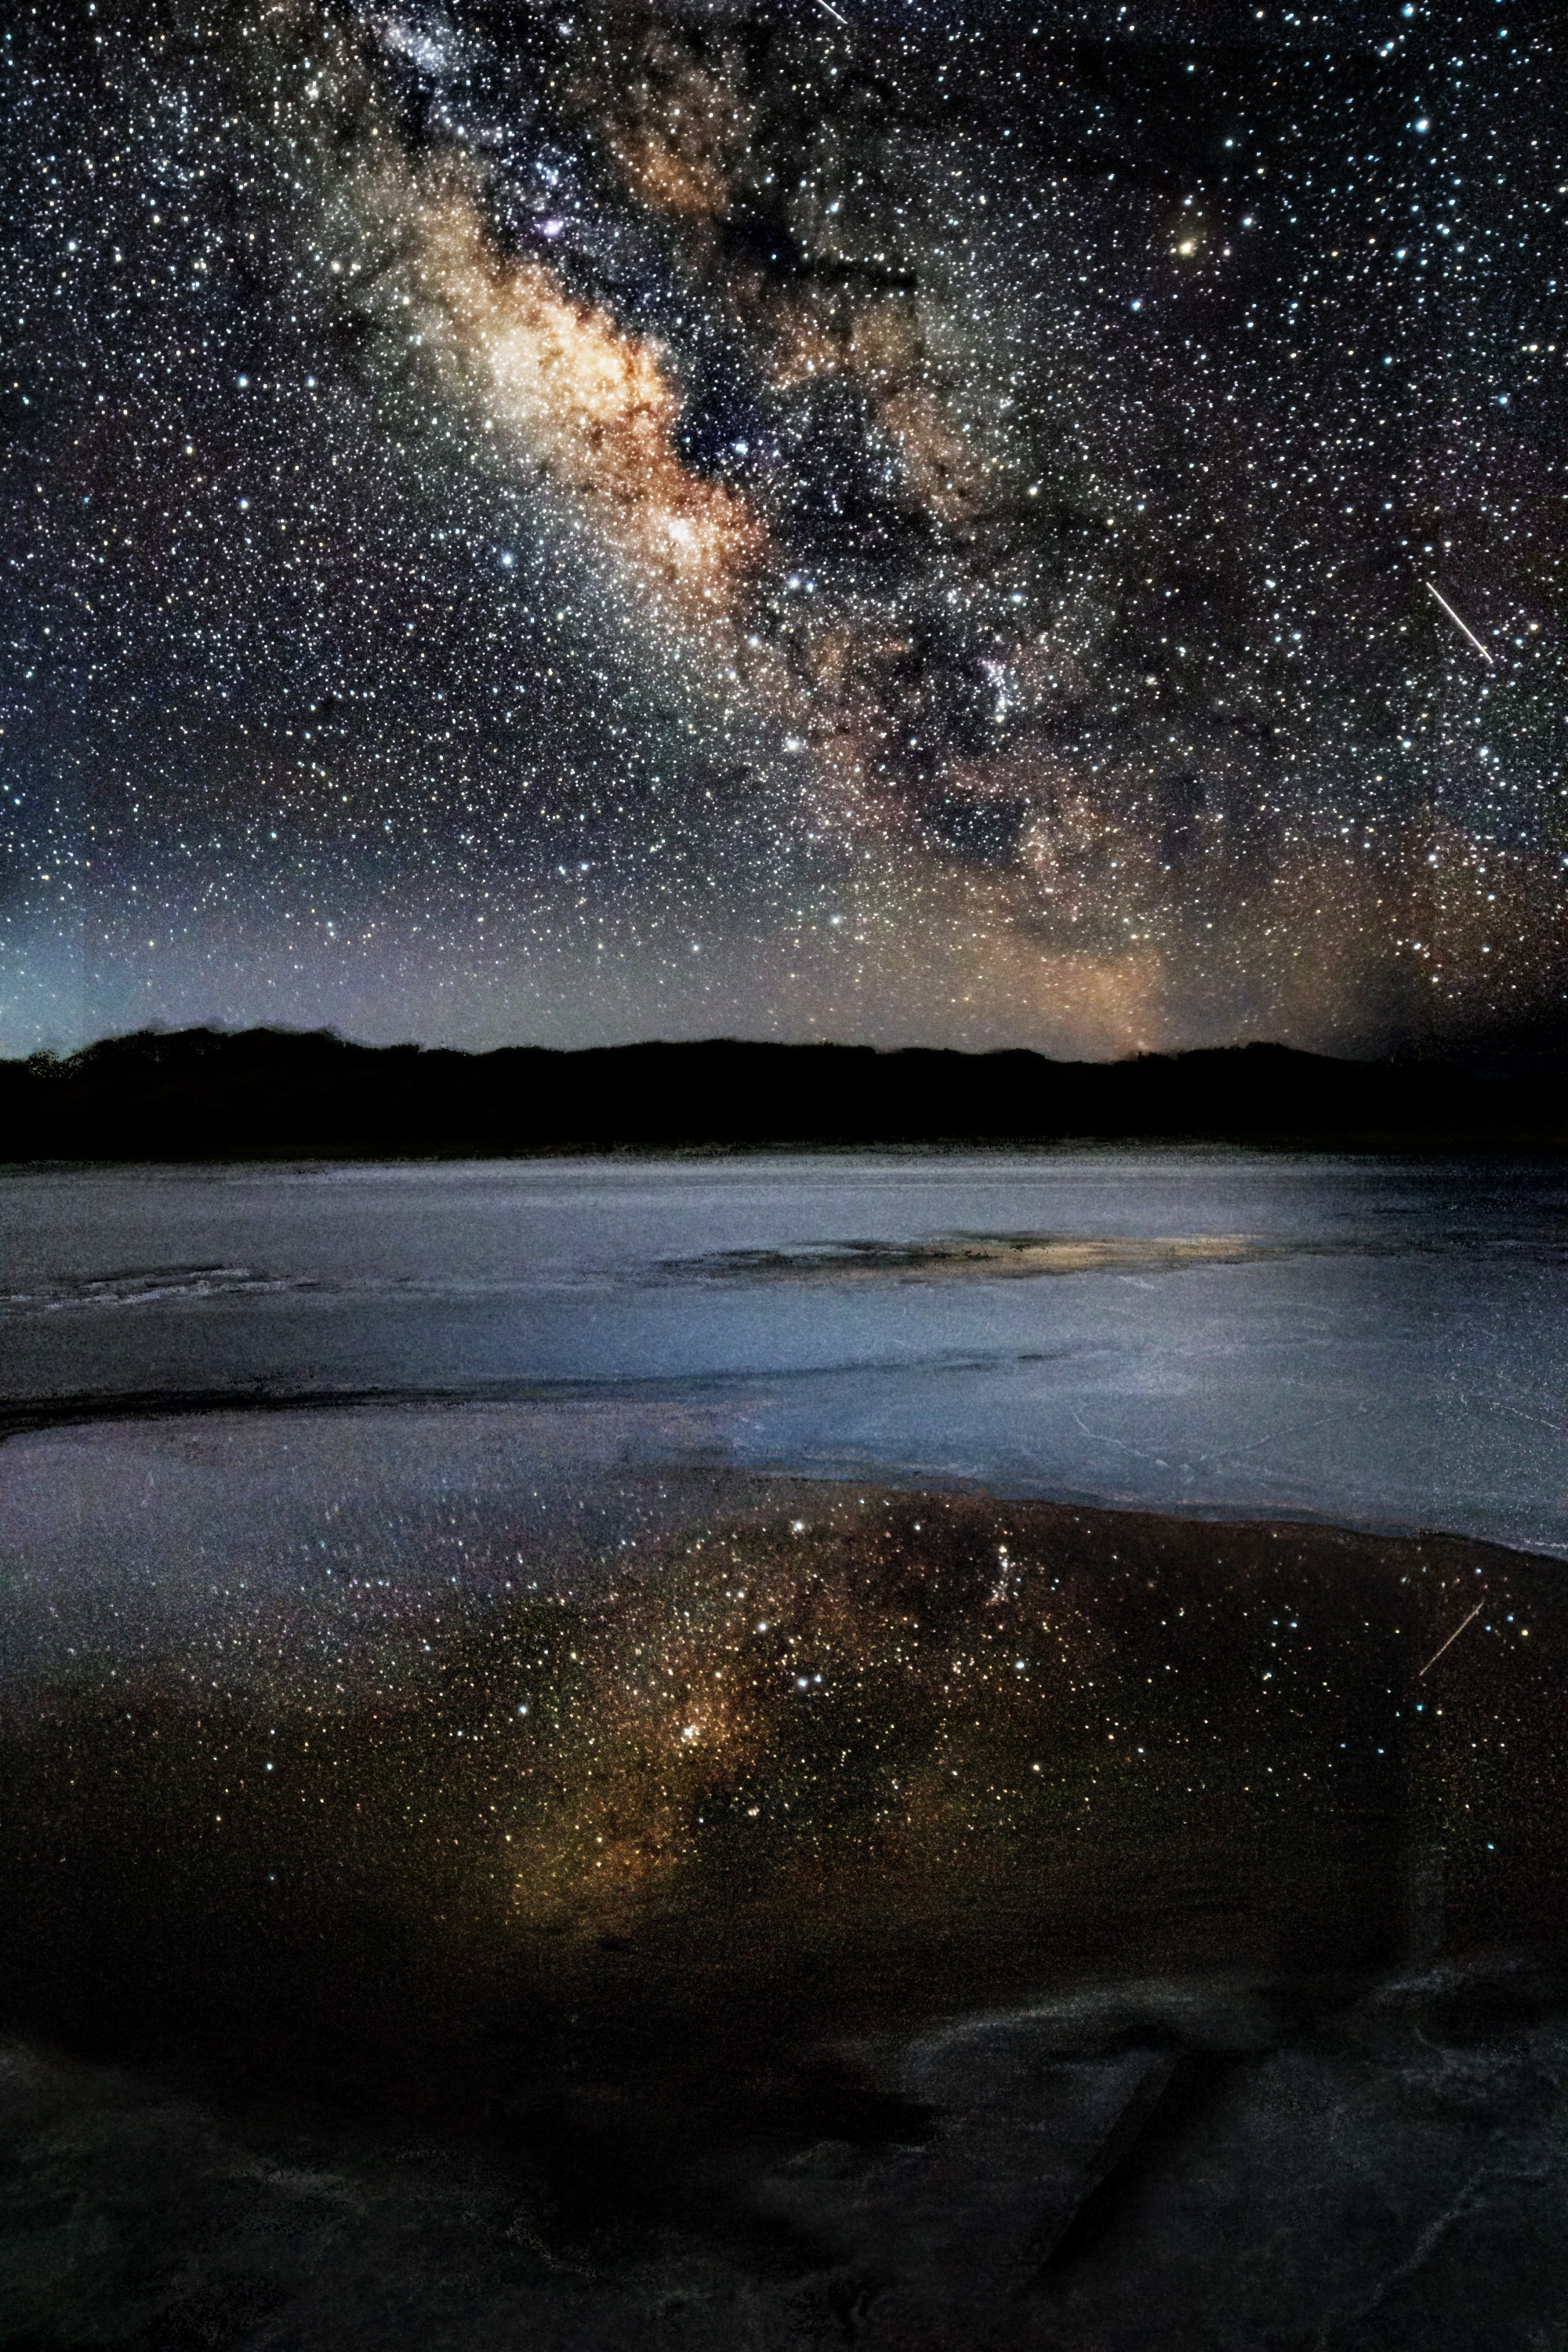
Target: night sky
(906, 522)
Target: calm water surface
(1380, 1342)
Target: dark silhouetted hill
(199, 1094)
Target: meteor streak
(1452, 615)
(1480, 1604)
(831, 11)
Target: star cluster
(957, 525)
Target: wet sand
(647, 1890)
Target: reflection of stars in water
(915, 1689)
(607, 522)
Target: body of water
(1373, 1341)
(557, 1787)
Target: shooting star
(1441, 598)
(1465, 1621)
(830, 11)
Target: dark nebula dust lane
(968, 525)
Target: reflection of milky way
(939, 1734)
(631, 519)
(876, 1921)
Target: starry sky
(911, 523)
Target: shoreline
(88, 1408)
(1544, 1141)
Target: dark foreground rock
(1178, 2167)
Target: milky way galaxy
(907, 523)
